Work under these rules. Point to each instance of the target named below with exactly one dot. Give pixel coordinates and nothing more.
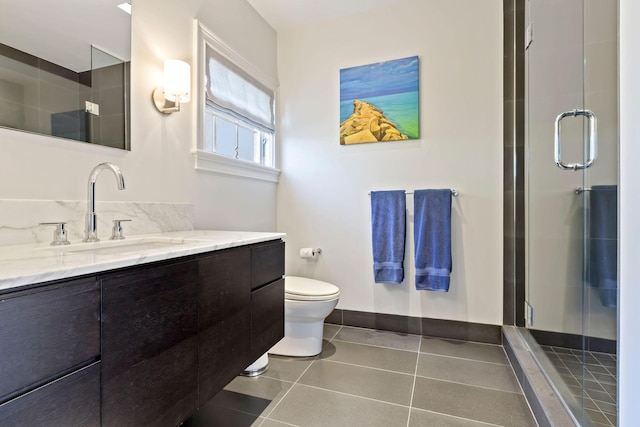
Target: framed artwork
(379, 102)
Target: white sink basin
(119, 247)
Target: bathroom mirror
(64, 69)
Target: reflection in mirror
(55, 82)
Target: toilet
(307, 302)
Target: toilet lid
(303, 289)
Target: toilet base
(300, 339)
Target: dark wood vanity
(144, 345)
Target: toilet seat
(303, 289)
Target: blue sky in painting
(382, 78)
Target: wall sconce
(177, 87)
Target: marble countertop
(22, 265)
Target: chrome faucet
(90, 233)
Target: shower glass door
(571, 203)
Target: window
(237, 112)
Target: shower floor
(598, 375)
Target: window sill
(212, 162)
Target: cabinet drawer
(71, 401)
(145, 312)
(267, 263)
(267, 317)
(45, 332)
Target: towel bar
(579, 190)
(454, 192)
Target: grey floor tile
(599, 396)
(256, 395)
(483, 374)
(570, 380)
(575, 390)
(610, 388)
(604, 378)
(311, 407)
(386, 386)
(592, 385)
(613, 419)
(608, 408)
(569, 358)
(464, 349)
(597, 416)
(329, 331)
(603, 356)
(369, 356)
(589, 404)
(420, 418)
(214, 415)
(274, 423)
(597, 369)
(586, 375)
(609, 363)
(379, 338)
(590, 360)
(287, 368)
(475, 403)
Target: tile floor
(598, 376)
(373, 378)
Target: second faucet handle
(116, 231)
(59, 234)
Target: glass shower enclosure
(571, 176)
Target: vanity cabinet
(139, 346)
(49, 345)
(149, 345)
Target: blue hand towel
(603, 240)
(432, 239)
(388, 223)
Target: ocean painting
(379, 102)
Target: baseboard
(559, 339)
(450, 329)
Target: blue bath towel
(388, 223)
(432, 239)
(603, 241)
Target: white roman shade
(233, 91)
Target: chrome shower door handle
(592, 137)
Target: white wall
(322, 196)
(629, 295)
(160, 166)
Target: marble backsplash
(20, 219)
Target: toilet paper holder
(310, 253)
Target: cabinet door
(47, 332)
(224, 299)
(149, 345)
(267, 317)
(71, 401)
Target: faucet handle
(59, 234)
(116, 231)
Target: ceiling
(283, 14)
